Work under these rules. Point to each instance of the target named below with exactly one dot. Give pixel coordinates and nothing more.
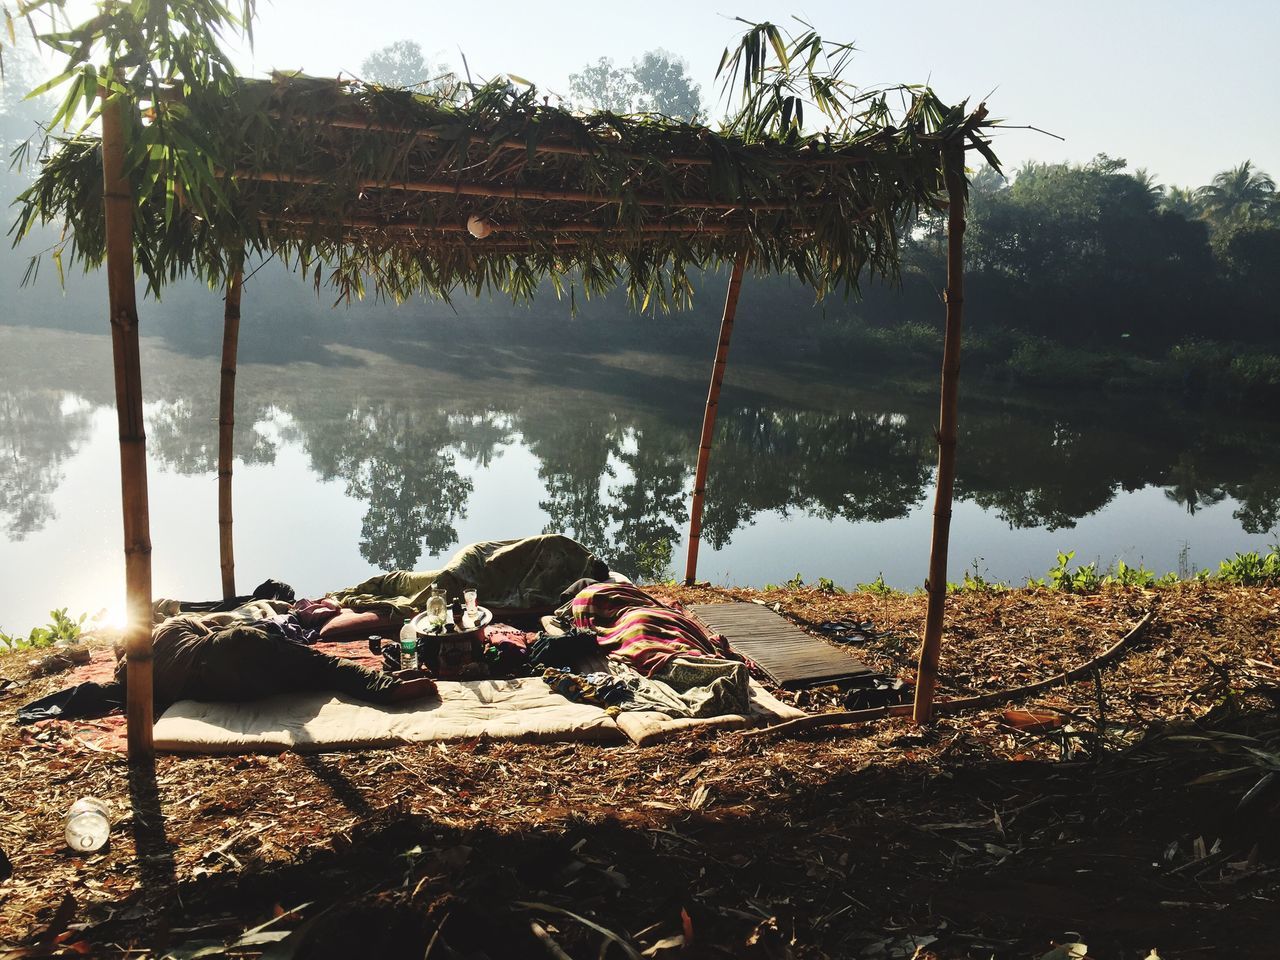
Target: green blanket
(525, 575)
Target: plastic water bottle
(408, 653)
(88, 825)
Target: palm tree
(1182, 200)
(987, 181)
(1147, 181)
(1239, 194)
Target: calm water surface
(357, 459)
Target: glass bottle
(436, 605)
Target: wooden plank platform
(790, 657)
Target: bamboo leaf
(779, 46)
(51, 84)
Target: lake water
(363, 455)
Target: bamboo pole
(936, 585)
(501, 191)
(226, 425)
(118, 204)
(500, 233)
(709, 417)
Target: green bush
(1083, 579)
(1127, 576)
(1251, 569)
(878, 587)
(61, 627)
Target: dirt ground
(1144, 827)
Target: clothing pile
(663, 659)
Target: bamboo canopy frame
(362, 187)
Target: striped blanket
(641, 630)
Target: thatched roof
(366, 186)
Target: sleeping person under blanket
(201, 658)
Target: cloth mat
(524, 709)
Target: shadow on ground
(993, 858)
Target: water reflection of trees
(182, 434)
(1047, 472)
(618, 478)
(39, 431)
(851, 466)
(617, 485)
(575, 455)
(400, 461)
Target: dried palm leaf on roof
(370, 188)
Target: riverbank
(1122, 829)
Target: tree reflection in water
(616, 476)
(402, 463)
(39, 431)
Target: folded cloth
(648, 694)
(287, 626)
(506, 651)
(710, 687)
(598, 689)
(723, 687)
(354, 625)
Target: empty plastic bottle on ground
(88, 825)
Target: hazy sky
(1183, 88)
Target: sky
(1184, 89)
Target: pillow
(353, 625)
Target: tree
(1183, 201)
(665, 87)
(1240, 194)
(399, 64)
(656, 83)
(1078, 252)
(602, 86)
(1147, 180)
(987, 181)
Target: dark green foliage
(1084, 252)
